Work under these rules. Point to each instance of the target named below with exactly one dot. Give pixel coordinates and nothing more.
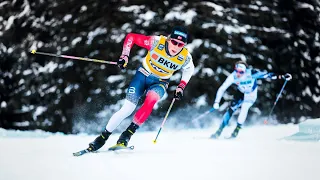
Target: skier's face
(239, 72)
(175, 46)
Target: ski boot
(99, 141)
(124, 138)
(217, 134)
(236, 131)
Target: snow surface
(258, 153)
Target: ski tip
(33, 51)
(77, 154)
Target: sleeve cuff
(182, 85)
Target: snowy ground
(257, 154)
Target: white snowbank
(309, 130)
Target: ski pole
(275, 102)
(204, 114)
(164, 120)
(73, 57)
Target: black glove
(123, 61)
(178, 93)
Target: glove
(178, 93)
(287, 77)
(123, 61)
(216, 105)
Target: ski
(82, 152)
(113, 148)
(229, 137)
(119, 147)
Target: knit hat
(179, 33)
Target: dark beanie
(179, 33)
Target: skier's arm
(226, 84)
(264, 75)
(138, 39)
(187, 72)
(256, 74)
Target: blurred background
(71, 96)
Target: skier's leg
(154, 94)
(235, 104)
(248, 101)
(134, 92)
(242, 117)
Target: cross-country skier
(246, 81)
(165, 56)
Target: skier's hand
(123, 61)
(216, 105)
(178, 93)
(287, 77)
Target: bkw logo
(168, 63)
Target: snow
(97, 91)
(236, 56)
(83, 8)
(233, 29)
(3, 104)
(21, 81)
(258, 153)
(148, 17)
(76, 40)
(4, 3)
(306, 91)
(201, 101)
(26, 10)
(215, 46)
(68, 89)
(305, 5)
(135, 9)
(9, 23)
(27, 72)
(208, 71)
(207, 25)
(22, 124)
(194, 44)
(183, 16)
(48, 68)
(316, 99)
(254, 7)
(67, 17)
(248, 39)
(213, 5)
(26, 108)
(96, 32)
(39, 111)
(114, 78)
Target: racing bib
(159, 63)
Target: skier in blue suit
(246, 81)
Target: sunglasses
(176, 43)
(238, 71)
